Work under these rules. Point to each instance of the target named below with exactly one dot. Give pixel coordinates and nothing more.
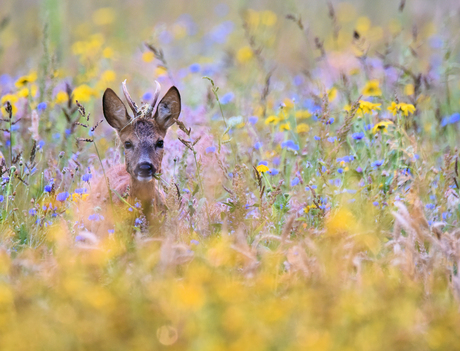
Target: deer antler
(131, 103)
(155, 99)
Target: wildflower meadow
(311, 181)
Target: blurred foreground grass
(317, 210)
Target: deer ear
(114, 110)
(168, 109)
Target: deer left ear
(168, 109)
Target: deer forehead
(144, 130)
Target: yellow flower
(148, 56)
(24, 80)
(262, 168)
(83, 93)
(394, 108)
(9, 97)
(61, 97)
(160, 71)
(244, 54)
(406, 108)
(409, 89)
(368, 107)
(303, 128)
(24, 92)
(288, 103)
(332, 94)
(372, 88)
(381, 126)
(107, 53)
(308, 208)
(105, 15)
(108, 76)
(268, 18)
(301, 114)
(272, 120)
(285, 126)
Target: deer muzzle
(145, 171)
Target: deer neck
(146, 192)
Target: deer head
(142, 135)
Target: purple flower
(265, 163)
(111, 231)
(194, 242)
(317, 138)
(295, 181)
(273, 172)
(332, 139)
(257, 145)
(430, 206)
(330, 121)
(62, 196)
(276, 161)
(48, 188)
(210, 149)
(1, 198)
(137, 222)
(32, 212)
(375, 203)
(359, 169)
(340, 170)
(358, 136)
(86, 177)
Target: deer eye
(128, 145)
(159, 144)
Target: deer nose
(145, 169)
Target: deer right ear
(114, 110)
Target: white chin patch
(144, 179)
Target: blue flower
(430, 206)
(265, 163)
(257, 145)
(137, 222)
(368, 127)
(377, 163)
(194, 68)
(295, 181)
(332, 139)
(273, 172)
(1, 198)
(111, 231)
(41, 106)
(298, 80)
(147, 96)
(86, 177)
(32, 212)
(290, 145)
(359, 169)
(40, 144)
(57, 136)
(227, 98)
(330, 121)
(185, 190)
(358, 136)
(375, 203)
(194, 242)
(48, 188)
(210, 149)
(317, 138)
(452, 119)
(340, 170)
(95, 217)
(253, 119)
(62, 196)
(81, 191)
(79, 238)
(276, 161)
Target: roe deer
(142, 136)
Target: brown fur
(142, 138)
